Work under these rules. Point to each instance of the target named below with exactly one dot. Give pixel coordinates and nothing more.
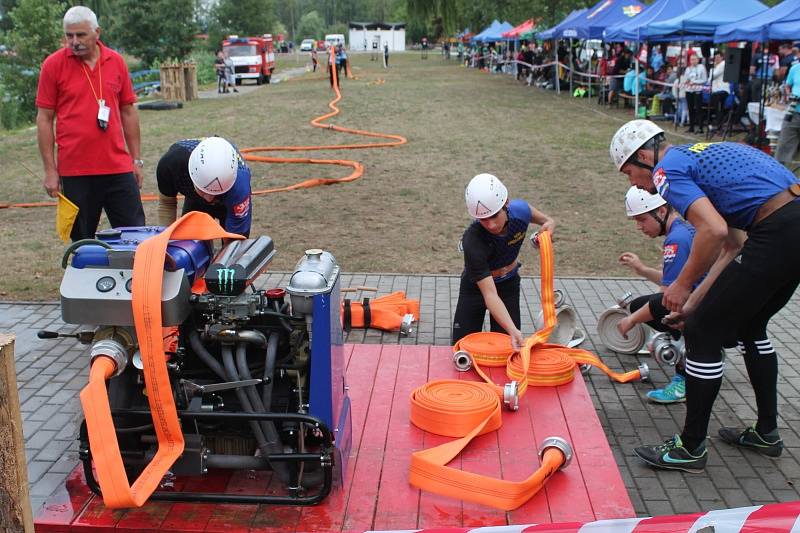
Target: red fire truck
(253, 57)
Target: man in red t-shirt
(86, 88)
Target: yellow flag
(66, 212)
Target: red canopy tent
(526, 26)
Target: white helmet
(485, 195)
(213, 165)
(630, 138)
(639, 201)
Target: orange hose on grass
(318, 122)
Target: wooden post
(190, 80)
(15, 504)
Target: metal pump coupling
(407, 324)
(625, 300)
(561, 444)
(511, 396)
(113, 350)
(664, 350)
(462, 360)
(644, 372)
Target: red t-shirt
(83, 148)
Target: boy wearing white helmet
(491, 246)
(655, 218)
(744, 207)
(212, 177)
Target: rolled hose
(610, 336)
(466, 409)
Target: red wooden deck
(377, 495)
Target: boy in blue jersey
(655, 218)
(491, 271)
(212, 177)
(743, 206)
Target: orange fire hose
(386, 312)
(248, 153)
(466, 409)
(148, 275)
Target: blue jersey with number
(736, 178)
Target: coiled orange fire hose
(148, 275)
(248, 153)
(467, 409)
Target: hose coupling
(561, 445)
(462, 360)
(644, 372)
(113, 350)
(511, 396)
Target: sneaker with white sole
(674, 392)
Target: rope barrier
(318, 122)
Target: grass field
(407, 212)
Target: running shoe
(674, 392)
(671, 455)
(769, 444)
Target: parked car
(307, 45)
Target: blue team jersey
(238, 217)
(677, 246)
(484, 252)
(736, 178)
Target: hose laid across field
(318, 122)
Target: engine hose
(283, 321)
(232, 375)
(205, 355)
(269, 370)
(240, 335)
(267, 426)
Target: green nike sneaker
(769, 444)
(673, 456)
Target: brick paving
(51, 373)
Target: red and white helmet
(485, 196)
(213, 165)
(629, 138)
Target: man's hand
(550, 226)
(632, 261)
(675, 297)
(137, 171)
(517, 340)
(624, 326)
(52, 183)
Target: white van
(332, 39)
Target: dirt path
(279, 76)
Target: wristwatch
(138, 162)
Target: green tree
(5, 8)
(240, 17)
(311, 26)
(37, 32)
(157, 29)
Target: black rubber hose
(230, 368)
(205, 355)
(267, 426)
(269, 370)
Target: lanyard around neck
(89, 79)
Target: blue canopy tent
(550, 33)
(630, 30)
(605, 13)
(759, 27)
(785, 30)
(494, 32)
(700, 22)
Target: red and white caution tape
(775, 518)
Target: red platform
(377, 495)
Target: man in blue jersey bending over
(743, 206)
(491, 247)
(212, 177)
